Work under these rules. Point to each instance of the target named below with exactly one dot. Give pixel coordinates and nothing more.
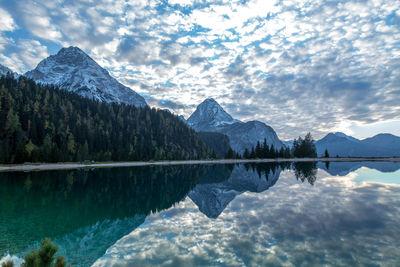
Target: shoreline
(66, 166)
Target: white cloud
(181, 2)
(7, 23)
(28, 54)
(38, 21)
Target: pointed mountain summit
(73, 70)
(208, 115)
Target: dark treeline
(43, 123)
(302, 148)
(265, 151)
(218, 142)
(303, 171)
(267, 169)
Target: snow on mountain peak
(73, 70)
(211, 117)
(210, 113)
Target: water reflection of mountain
(86, 210)
(213, 197)
(344, 168)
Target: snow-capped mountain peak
(209, 114)
(73, 70)
(211, 117)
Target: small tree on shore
(44, 256)
(303, 148)
(326, 153)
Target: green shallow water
(336, 214)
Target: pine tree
(252, 153)
(246, 154)
(230, 154)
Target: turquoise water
(367, 175)
(337, 214)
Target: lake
(288, 214)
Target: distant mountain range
(209, 116)
(381, 145)
(73, 70)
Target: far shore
(64, 166)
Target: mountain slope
(4, 70)
(337, 144)
(288, 143)
(383, 140)
(385, 145)
(73, 70)
(218, 142)
(210, 116)
(244, 135)
(381, 145)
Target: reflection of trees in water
(305, 171)
(47, 204)
(267, 169)
(302, 170)
(327, 163)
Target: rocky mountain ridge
(210, 116)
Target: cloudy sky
(298, 66)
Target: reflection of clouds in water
(83, 246)
(333, 222)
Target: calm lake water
(298, 214)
